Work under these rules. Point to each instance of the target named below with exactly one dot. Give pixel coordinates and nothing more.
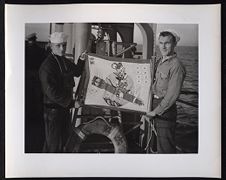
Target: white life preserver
(97, 126)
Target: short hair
(167, 33)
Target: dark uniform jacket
(56, 74)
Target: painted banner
(116, 83)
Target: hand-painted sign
(116, 83)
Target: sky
(188, 33)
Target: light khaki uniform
(168, 82)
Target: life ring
(97, 126)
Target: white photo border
(206, 163)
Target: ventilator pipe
(68, 29)
(82, 32)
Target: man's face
(100, 34)
(59, 48)
(166, 45)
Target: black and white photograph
(146, 100)
(95, 93)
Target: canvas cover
(117, 83)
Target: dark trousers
(165, 126)
(57, 129)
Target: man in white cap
(168, 80)
(56, 74)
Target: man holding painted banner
(169, 77)
(56, 74)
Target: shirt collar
(168, 57)
(59, 57)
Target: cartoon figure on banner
(119, 87)
(123, 84)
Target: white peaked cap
(58, 37)
(173, 32)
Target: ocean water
(187, 117)
(189, 57)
